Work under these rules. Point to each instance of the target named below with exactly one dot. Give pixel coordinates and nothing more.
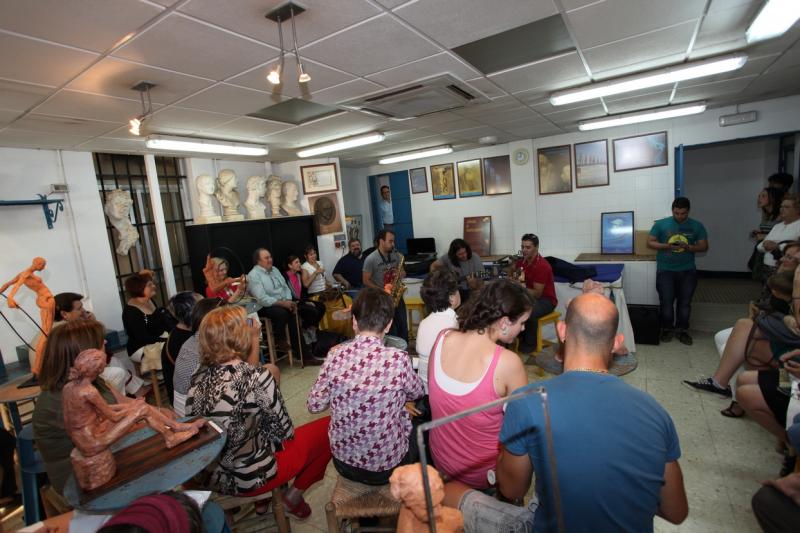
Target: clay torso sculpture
(256, 188)
(205, 200)
(289, 195)
(93, 425)
(274, 187)
(406, 486)
(117, 208)
(44, 301)
(228, 196)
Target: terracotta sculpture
(205, 199)
(256, 188)
(289, 194)
(228, 196)
(44, 301)
(406, 486)
(274, 187)
(93, 425)
(117, 208)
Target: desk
(10, 395)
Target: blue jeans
(675, 290)
(483, 513)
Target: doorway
(400, 195)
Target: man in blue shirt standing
(385, 207)
(677, 239)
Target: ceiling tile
(572, 5)
(186, 119)
(392, 3)
(71, 126)
(115, 77)
(107, 144)
(90, 24)
(363, 49)
(711, 90)
(322, 77)
(635, 103)
(247, 17)
(336, 127)
(612, 20)
(20, 96)
(470, 20)
(460, 124)
(37, 62)
(789, 59)
(6, 116)
(35, 139)
(91, 106)
(536, 130)
(571, 115)
(541, 73)
(250, 127)
(786, 81)
(657, 48)
(424, 68)
(487, 87)
(345, 91)
(183, 45)
(727, 23)
(473, 134)
(229, 99)
(541, 94)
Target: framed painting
(641, 151)
(616, 232)
(418, 179)
(470, 179)
(325, 208)
(591, 163)
(443, 183)
(497, 175)
(319, 178)
(353, 226)
(478, 234)
(555, 169)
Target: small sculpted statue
(289, 195)
(93, 425)
(206, 187)
(228, 196)
(406, 486)
(256, 188)
(117, 208)
(274, 188)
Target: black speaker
(645, 320)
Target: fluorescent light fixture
(419, 154)
(658, 113)
(653, 78)
(774, 19)
(342, 144)
(188, 144)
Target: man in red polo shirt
(538, 278)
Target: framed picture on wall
(418, 179)
(478, 234)
(470, 180)
(616, 232)
(497, 175)
(641, 151)
(443, 183)
(353, 226)
(555, 169)
(325, 208)
(591, 163)
(319, 178)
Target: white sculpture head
(205, 184)
(226, 180)
(118, 204)
(274, 186)
(256, 185)
(290, 192)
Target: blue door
(401, 205)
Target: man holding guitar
(535, 273)
(468, 265)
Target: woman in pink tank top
(468, 368)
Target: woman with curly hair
(468, 368)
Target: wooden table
(10, 395)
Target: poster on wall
(555, 169)
(353, 225)
(591, 163)
(319, 178)
(325, 208)
(478, 234)
(497, 175)
(470, 181)
(443, 183)
(419, 180)
(641, 151)
(616, 232)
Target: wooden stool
(414, 303)
(352, 500)
(270, 336)
(550, 318)
(242, 522)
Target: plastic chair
(31, 465)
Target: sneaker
(684, 338)
(666, 335)
(707, 385)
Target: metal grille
(127, 172)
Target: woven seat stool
(247, 522)
(352, 500)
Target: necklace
(595, 370)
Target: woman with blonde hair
(263, 449)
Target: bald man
(616, 448)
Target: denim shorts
(482, 513)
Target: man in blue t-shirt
(677, 239)
(348, 269)
(616, 449)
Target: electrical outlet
(59, 188)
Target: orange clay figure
(44, 300)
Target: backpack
(573, 273)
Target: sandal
(300, 510)
(262, 506)
(734, 410)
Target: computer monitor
(426, 245)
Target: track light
(135, 124)
(342, 144)
(648, 115)
(774, 19)
(209, 146)
(417, 154)
(302, 77)
(274, 77)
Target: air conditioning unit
(432, 95)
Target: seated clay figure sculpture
(406, 486)
(117, 208)
(289, 195)
(93, 425)
(206, 187)
(256, 188)
(228, 196)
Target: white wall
(77, 250)
(739, 169)
(355, 193)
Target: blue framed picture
(616, 232)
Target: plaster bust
(274, 187)
(256, 188)
(117, 208)
(205, 199)
(228, 196)
(289, 194)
